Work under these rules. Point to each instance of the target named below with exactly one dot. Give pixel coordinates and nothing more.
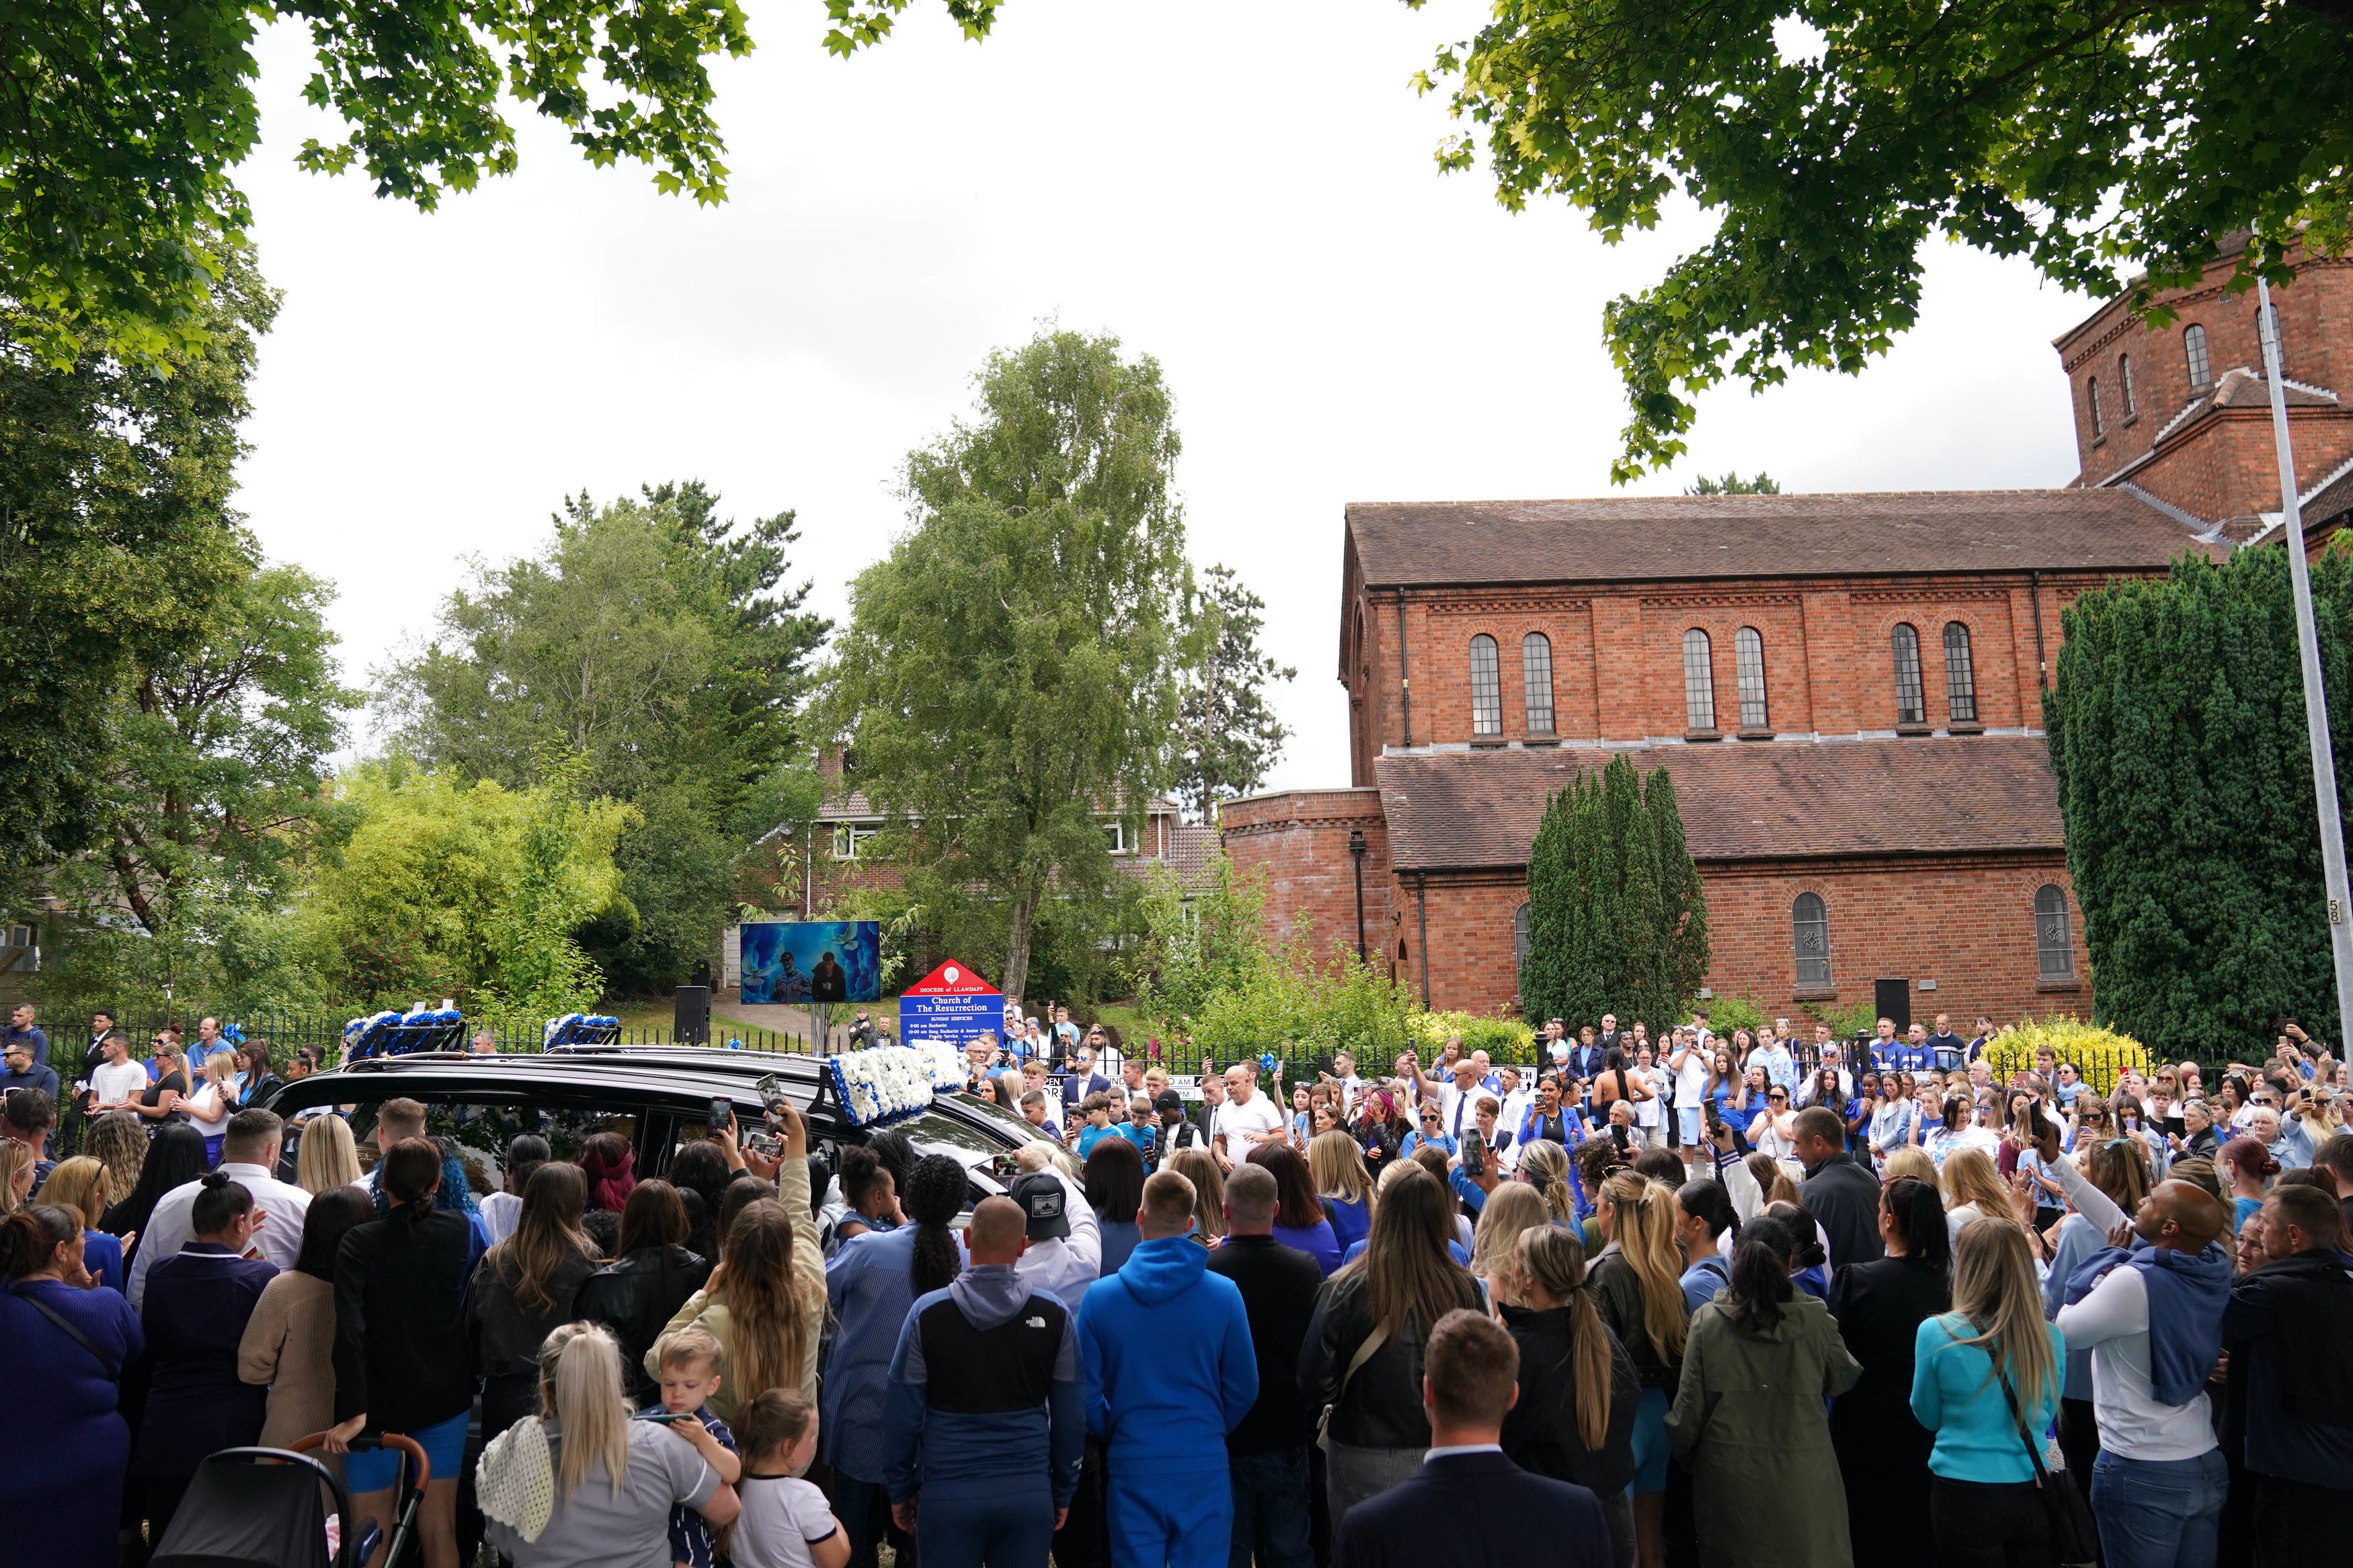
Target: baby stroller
(263, 1507)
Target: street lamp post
(1356, 851)
(2316, 701)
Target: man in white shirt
(2160, 1482)
(1514, 1098)
(117, 1081)
(249, 1156)
(1247, 1119)
(1687, 1058)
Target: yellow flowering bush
(2101, 1055)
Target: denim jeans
(2159, 1513)
(1270, 1509)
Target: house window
(1748, 673)
(2193, 350)
(2125, 385)
(2054, 947)
(1520, 945)
(1699, 682)
(2091, 396)
(1535, 677)
(1115, 833)
(1486, 687)
(1911, 703)
(1809, 942)
(848, 835)
(1960, 678)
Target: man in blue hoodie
(1169, 1372)
(982, 1431)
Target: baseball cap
(1043, 1198)
(1169, 1100)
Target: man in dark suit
(1491, 1513)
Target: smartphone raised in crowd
(723, 1109)
(1474, 1153)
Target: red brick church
(1846, 688)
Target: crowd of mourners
(1650, 1300)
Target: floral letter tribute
(881, 1083)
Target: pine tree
(1617, 919)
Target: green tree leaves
(117, 544)
(1228, 737)
(1617, 919)
(1009, 674)
(2176, 730)
(2078, 134)
(664, 647)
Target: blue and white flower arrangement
(880, 1083)
(946, 1062)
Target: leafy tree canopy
(1228, 737)
(1010, 672)
(1764, 484)
(117, 544)
(663, 646)
(2079, 135)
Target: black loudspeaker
(693, 1025)
(1892, 999)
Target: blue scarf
(2186, 1298)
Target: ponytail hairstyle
(580, 1385)
(30, 1236)
(220, 1203)
(1543, 1166)
(1760, 1273)
(934, 1196)
(1706, 1202)
(1806, 1249)
(1919, 1216)
(1553, 1256)
(410, 1174)
(1643, 1224)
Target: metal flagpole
(2316, 701)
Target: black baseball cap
(1169, 1100)
(1041, 1196)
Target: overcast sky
(1244, 190)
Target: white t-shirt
(119, 1081)
(1260, 1115)
(783, 1517)
(1691, 1078)
(1651, 1112)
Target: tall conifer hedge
(1616, 922)
(2176, 725)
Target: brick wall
(1617, 662)
(1298, 841)
(2238, 476)
(1965, 924)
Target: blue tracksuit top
(870, 1285)
(984, 1392)
(1169, 1367)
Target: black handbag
(2075, 1533)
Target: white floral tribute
(947, 1065)
(883, 1082)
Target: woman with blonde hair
(1511, 1208)
(212, 1100)
(326, 1158)
(1338, 1164)
(1986, 1380)
(1361, 1360)
(1543, 1166)
(118, 1142)
(1574, 1419)
(81, 1184)
(1637, 1281)
(1973, 1191)
(15, 1175)
(613, 1480)
(1910, 1161)
(1198, 1166)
